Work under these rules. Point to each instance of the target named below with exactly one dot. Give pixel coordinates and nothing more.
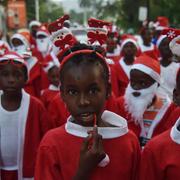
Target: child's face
(140, 80)
(164, 48)
(129, 49)
(12, 78)
(84, 91)
(53, 76)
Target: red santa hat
(42, 30)
(34, 23)
(174, 37)
(160, 38)
(131, 39)
(97, 31)
(149, 66)
(14, 57)
(161, 23)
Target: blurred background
(128, 15)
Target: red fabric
(152, 53)
(37, 125)
(33, 85)
(114, 80)
(9, 175)
(123, 80)
(59, 160)
(163, 125)
(160, 159)
(57, 111)
(114, 58)
(47, 96)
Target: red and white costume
(120, 144)
(23, 128)
(48, 94)
(161, 157)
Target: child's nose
(84, 100)
(11, 79)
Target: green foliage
(48, 11)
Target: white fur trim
(25, 102)
(53, 88)
(43, 33)
(126, 68)
(175, 133)
(55, 34)
(106, 132)
(129, 40)
(148, 71)
(146, 48)
(14, 57)
(22, 38)
(160, 39)
(97, 29)
(34, 23)
(175, 48)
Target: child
(76, 150)
(146, 112)
(23, 120)
(161, 157)
(129, 48)
(168, 68)
(53, 89)
(20, 44)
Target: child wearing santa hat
(23, 120)
(20, 44)
(161, 157)
(146, 112)
(53, 76)
(129, 48)
(85, 86)
(168, 68)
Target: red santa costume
(122, 69)
(146, 122)
(161, 157)
(48, 94)
(23, 128)
(168, 75)
(120, 144)
(34, 72)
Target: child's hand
(91, 153)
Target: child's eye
(72, 92)
(93, 91)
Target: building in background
(16, 14)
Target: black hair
(82, 58)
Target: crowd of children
(105, 109)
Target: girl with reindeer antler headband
(93, 143)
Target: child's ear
(109, 89)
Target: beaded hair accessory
(97, 31)
(60, 35)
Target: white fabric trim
(31, 62)
(126, 68)
(42, 33)
(22, 127)
(97, 29)
(175, 133)
(20, 37)
(106, 132)
(148, 71)
(14, 57)
(160, 40)
(146, 48)
(129, 40)
(156, 121)
(53, 88)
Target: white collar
(106, 132)
(175, 133)
(53, 88)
